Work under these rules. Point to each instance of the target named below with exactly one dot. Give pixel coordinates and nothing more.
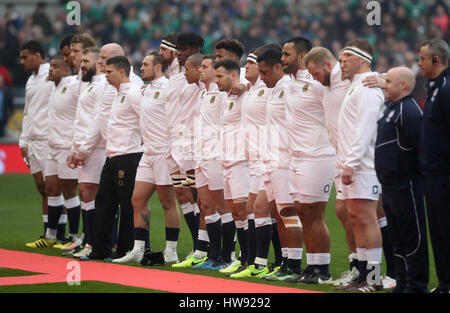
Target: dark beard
(89, 74)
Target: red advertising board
(11, 159)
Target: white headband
(168, 45)
(358, 52)
(252, 57)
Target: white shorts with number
(363, 186)
(311, 181)
(91, 171)
(154, 169)
(209, 173)
(37, 156)
(236, 180)
(57, 166)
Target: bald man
(397, 168)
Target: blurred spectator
(41, 19)
(6, 105)
(139, 25)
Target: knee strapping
(291, 221)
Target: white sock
(187, 208)
(362, 256)
(352, 256)
(171, 245)
(310, 259)
(196, 208)
(51, 233)
(63, 219)
(374, 255)
(322, 258)
(295, 253)
(261, 261)
(139, 244)
(382, 222)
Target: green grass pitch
(21, 222)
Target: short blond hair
(318, 56)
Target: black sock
(263, 238)
(84, 220)
(192, 223)
(228, 235)
(202, 245)
(215, 239)
(142, 234)
(172, 233)
(276, 244)
(362, 270)
(242, 235)
(388, 251)
(251, 241)
(61, 233)
(323, 269)
(54, 213)
(295, 265)
(45, 227)
(354, 263)
(73, 218)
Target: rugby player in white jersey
(208, 171)
(360, 188)
(326, 69)
(77, 44)
(90, 167)
(275, 180)
(254, 119)
(312, 159)
(174, 57)
(33, 138)
(235, 166)
(153, 172)
(232, 49)
(58, 177)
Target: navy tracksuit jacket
(397, 167)
(435, 166)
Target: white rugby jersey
(333, 96)
(277, 152)
(357, 126)
(61, 114)
(254, 122)
(207, 130)
(123, 135)
(177, 81)
(96, 135)
(85, 115)
(231, 130)
(35, 113)
(307, 133)
(183, 131)
(153, 118)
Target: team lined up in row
(237, 150)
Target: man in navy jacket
(435, 154)
(397, 167)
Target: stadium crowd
(139, 26)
